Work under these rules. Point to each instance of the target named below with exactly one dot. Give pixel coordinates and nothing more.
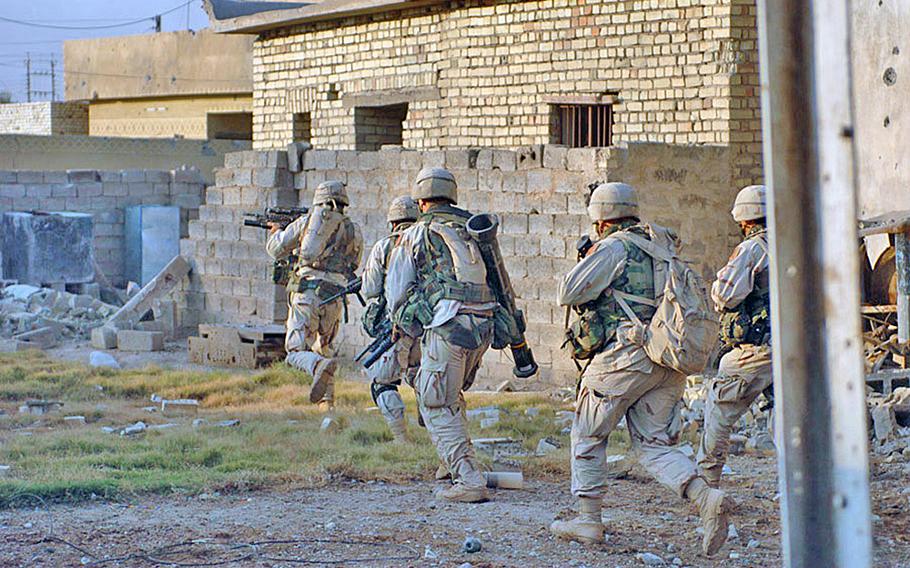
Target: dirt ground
(414, 529)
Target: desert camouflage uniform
(745, 371)
(455, 332)
(328, 246)
(404, 356)
(621, 380)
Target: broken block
(180, 407)
(136, 340)
(883, 422)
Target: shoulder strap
(649, 247)
(760, 240)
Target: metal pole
(53, 81)
(818, 371)
(28, 77)
(902, 267)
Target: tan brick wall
(686, 71)
(537, 191)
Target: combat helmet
(613, 201)
(330, 191)
(402, 208)
(435, 183)
(749, 204)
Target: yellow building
(195, 85)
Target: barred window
(582, 125)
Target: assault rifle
(375, 350)
(582, 248)
(353, 287)
(281, 216)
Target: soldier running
(328, 247)
(741, 293)
(385, 375)
(620, 379)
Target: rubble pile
(42, 316)
(890, 417)
(752, 432)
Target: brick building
(358, 74)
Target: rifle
(353, 287)
(281, 216)
(383, 342)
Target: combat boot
(442, 473)
(461, 493)
(714, 509)
(323, 374)
(587, 527)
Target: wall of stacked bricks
(104, 194)
(44, 118)
(685, 71)
(538, 192)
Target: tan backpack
(683, 330)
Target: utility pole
(28, 77)
(53, 80)
(819, 379)
(158, 23)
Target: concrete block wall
(105, 195)
(44, 118)
(538, 192)
(231, 277)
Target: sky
(44, 42)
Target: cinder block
(132, 176)
(505, 160)
(582, 159)
(554, 157)
(224, 177)
(233, 160)
(104, 337)
(411, 160)
(458, 159)
(347, 160)
(530, 157)
(320, 160)
(540, 181)
(434, 159)
(157, 176)
(26, 177)
(135, 340)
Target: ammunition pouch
(749, 324)
(588, 335)
(282, 269)
(508, 328)
(469, 332)
(377, 389)
(324, 288)
(373, 318)
(413, 314)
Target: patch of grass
(278, 442)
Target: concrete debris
(180, 407)
(43, 316)
(466, 565)
(650, 559)
(489, 422)
(498, 448)
(546, 446)
(732, 533)
(761, 442)
(227, 423)
(4, 469)
(136, 340)
(565, 417)
(753, 543)
(137, 428)
(108, 429)
(150, 408)
(483, 412)
(40, 407)
(100, 359)
(167, 426)
(471, 545)
(74, 420)
(737, 444)
(199, 422)
(677, 561)
(532, 412)
(330, 425)
(505, 386)
(883, 422)
(429, 553)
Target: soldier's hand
(273, 228)
(396, 333)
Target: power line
(103, 27)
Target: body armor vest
(338, 255)
(598, 319)
(750, 321)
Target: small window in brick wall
(302, 127)
(582, 125)
(378, 125)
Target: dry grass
(277, 444)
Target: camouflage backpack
(682, 332)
